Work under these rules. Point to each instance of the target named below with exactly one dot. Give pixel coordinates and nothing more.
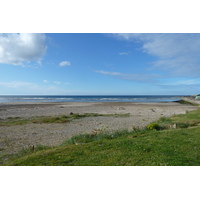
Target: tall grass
(95, 136)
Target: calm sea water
(87, 98)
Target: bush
(182, 125)
(154, 126)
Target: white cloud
(147, 78)
(57, 82)
(189, 82)
(16, 84)
(124, 53)
(178, 54)
(64, 63)
(45, 81)
(18, 49)
(109, 73)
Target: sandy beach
(15, 137)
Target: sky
(99, 64)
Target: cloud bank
(17, 49)
(176, 54)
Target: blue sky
(97, 64)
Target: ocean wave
(88, 98)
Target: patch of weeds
(54, 119)
(65, 116)
(14, 118)
(182, 125)
(40, 147)
(13, 121)
(85, 138)
(96, 135)
(119, 115)
(119, 133)
(165, 120)
(78, 116)
(194, 123)
(164, 123)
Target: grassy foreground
(164, 147)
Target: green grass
(189, 119)
(165, 147)
(147, 148)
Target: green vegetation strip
(182, 121)
(53, 119)
(147, 147)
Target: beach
(128, 116)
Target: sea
(89, 98)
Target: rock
(78, 143)
(173, 126)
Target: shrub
(182, 125)
(154, 126)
